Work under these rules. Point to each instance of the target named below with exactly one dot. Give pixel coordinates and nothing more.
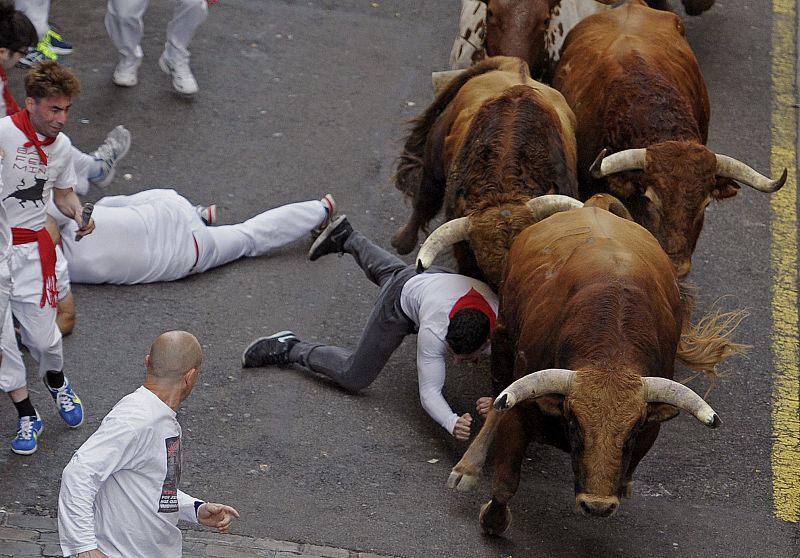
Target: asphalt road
(302, 98)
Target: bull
(637, 92)
(492, 139)
(591, 321)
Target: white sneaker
(114, 148)
(126, 73)
(182, 78)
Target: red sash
(22, 120)
(47, 254)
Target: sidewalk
(28, 536)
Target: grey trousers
(385, 329)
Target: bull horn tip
(594, 170)
(782, 180)
(420, 266)
(501, 403)
(714, 421)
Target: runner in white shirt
(36, 161)
(148, 224)
(450, 313)
(119, 493)
(158, 235)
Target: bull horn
(629, 159)
(732, 168)
(664, 390)
(445, 235)
(535, 384)
(547, 205)
(441, 79)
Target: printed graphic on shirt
(25, 193)
(169, 491)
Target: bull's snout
(597, 506)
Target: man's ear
(147, 361)
(30, 103)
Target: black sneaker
(269, 350)
(332, 239)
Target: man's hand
(462, 428)
(91, 554)
(484, 405)
(216, 515)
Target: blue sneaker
(28, 431)
(57, 43)
(68, 403)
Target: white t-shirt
(119, 492)
(141, 238)
(27, 182)
(427, 299)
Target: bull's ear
(724, 188)
(551, 405)
(661, 412)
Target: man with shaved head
(119, 492)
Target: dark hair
(17, 33)
(48, 79)
(467, 331)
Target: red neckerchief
(47, 255)
(473, 299)
(22, 120)
(11, 104)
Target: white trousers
(5, 292)
(38, 11)
(257, 236)
(125, 25)
(38, 327)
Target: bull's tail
(408, 169)
(708, 342)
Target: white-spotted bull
(591, 322)
(637, 90)
(533, 30)
(491, 140)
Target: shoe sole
(323, 236)
(273, 336)
(30, 452)
(61, 51)
(106, 182)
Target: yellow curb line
(786, 392)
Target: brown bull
(637, 91)
(591, 322)
(492, 139)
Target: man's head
(174, 362)
(50, 88)
(468, 332)
(17, 34)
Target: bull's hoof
(404, 241)
(462, 482)
(495, 518)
